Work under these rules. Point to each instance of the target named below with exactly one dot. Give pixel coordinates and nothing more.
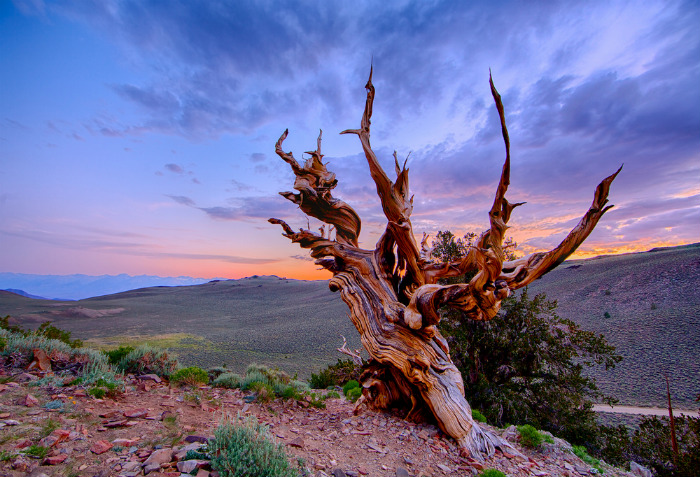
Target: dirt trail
(644, 411)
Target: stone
(401, 472)
(11, 422)
(23, 443)
(36, 473)
(40, 362)
(200, 439)
(21, 464)
(187, 466)
(122, 442)
(29, 401)
(148, 468)
(134, 413)
(203, 473)
(100, 447)
(149, 377)
(55, 459)
(112, 424)
(444, 468)
(639, 470)
(296, 442)
(160, 456)
(56, 437)
(338, 473)
(23, 378)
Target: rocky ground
(149, 428)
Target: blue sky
(138, 137)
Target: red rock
(111, 424)
(41, 361)
(23, 444)
(100, 447)
(29, 401)
(56, 437)
(296, 442)
(136, 413)
(202, 473)
(125, 442)
(55, 459)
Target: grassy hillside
(648, 306)
(295, 325)
(651, 300)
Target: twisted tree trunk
(392, 291)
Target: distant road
(645, 411)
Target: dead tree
(393, 291)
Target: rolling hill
(646, 304)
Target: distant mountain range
(79, 287)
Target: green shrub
(254, 377)
(148, 360)
(228, 380)
(582, 454)
(353, 394)
(264, 392)
(6, 456)
(547, 438)
(478, 416)
(529, 436)
(37, 451)
(350, 385)
(115, 356)
(606, 314)
(192, 455)
(216, 371)
(49, 331)
(492, 473)
(336, 374)
(191, 376)
(244, 447)
(97, 392)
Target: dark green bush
(114, 356)
(49, 331)
(336, 374)
(245, 448)
(350, 385)
(190, 376)
(353, 394)
(529, 436)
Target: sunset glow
(138, 138)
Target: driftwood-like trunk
(392, 291)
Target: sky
(138, 136)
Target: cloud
(175, 168)
(249, 209)
(180, 199)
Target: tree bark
(392, 291)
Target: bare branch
(521, 272)
(395, 200)
(314, 183)
(355, 355)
